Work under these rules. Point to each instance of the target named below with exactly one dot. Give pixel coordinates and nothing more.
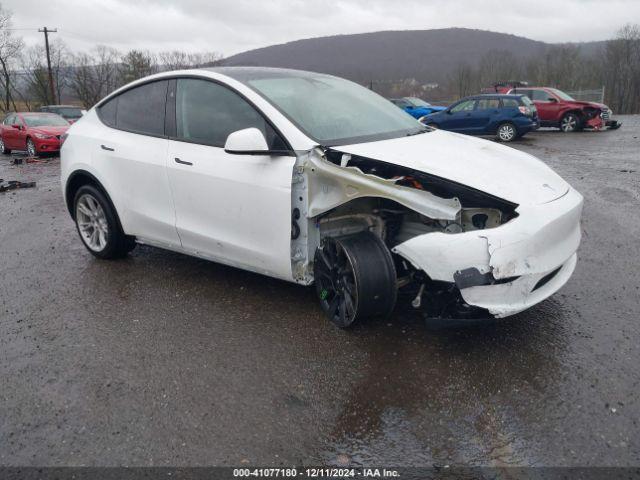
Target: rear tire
(3, 147)
(570, 122)
(506, 132)
(98, 226)
(355, 278)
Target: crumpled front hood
(481, 164)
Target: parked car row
(510, 111)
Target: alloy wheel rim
(31, 148)
(506, 132)
(568, 124)
(1, 145)
(336, 284)
(92, 223)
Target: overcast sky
(233, 26)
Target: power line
(46, 32)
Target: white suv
(314, 179)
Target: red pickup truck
(557, 109)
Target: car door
(131, 151)
(18, 135)
(458, 117)
(8, 132)
(235, 209)
(485, 116)
(547, 105)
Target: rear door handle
(108, 149)
(182, 162)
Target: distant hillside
(427, 55)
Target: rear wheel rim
(31, 148)
(336, 284)
(1, 145)
(506, 132)
(92, 223)
(569, 123)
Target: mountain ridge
(426, 55)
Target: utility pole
(46, 32)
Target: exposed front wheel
(506, 132)
(98, 225)
(31, 148)
(355, 278)
(3, 147)
(570, 123)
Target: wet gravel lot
(163, 359)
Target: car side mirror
(448, 110)
(553, 100)
(250, 141)
(17, 127)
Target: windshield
(562, 95)
(418, 102)
(45, 121)
(333, 111)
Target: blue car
(505, 116)
(416, 107)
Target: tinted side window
(541, 96)
(9, 120)
(207, 112)
(107, 112)
(510, 102)
(488, 104)
(464, 106)
(141, 109)
(522, 91)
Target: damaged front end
(459, 252)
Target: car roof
(499, 95)
(245, 74)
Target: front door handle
(108, 149)
(182, 162)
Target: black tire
(355, 278)
(506, 132)
(570, 122)
(117, 244)
(3, 148)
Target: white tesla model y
(315, 179)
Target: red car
(557, 109)
(31, 131)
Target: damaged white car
(314, 179)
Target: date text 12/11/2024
(316, 472)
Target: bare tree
(463, 80)
(34, 67)
(178, 60)
(622, 70)
(95, 74)
(137, 64)
(10, 48)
